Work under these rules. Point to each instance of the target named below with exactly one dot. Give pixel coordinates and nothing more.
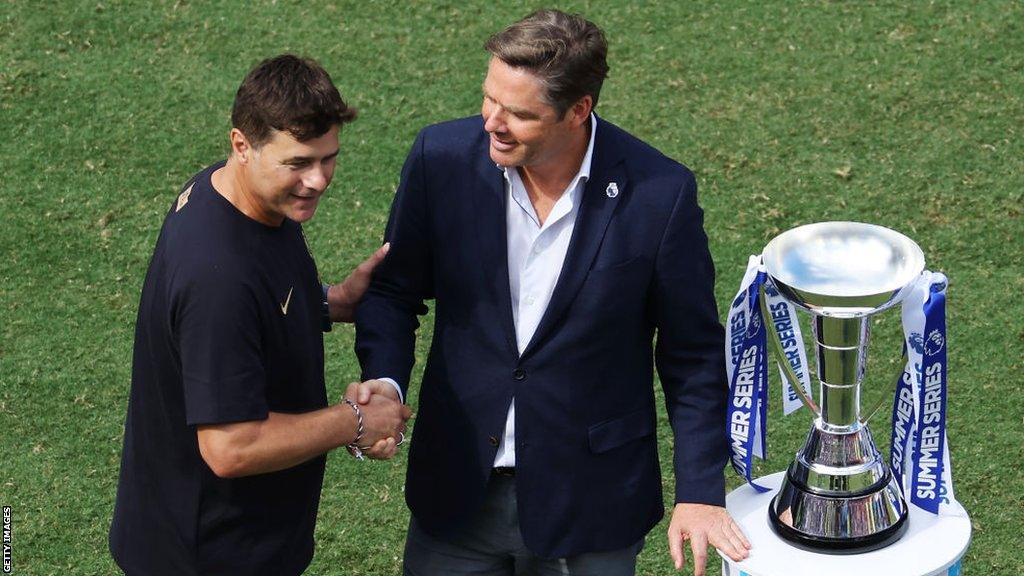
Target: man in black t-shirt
(228, 421)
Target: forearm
(692, 371)
(700, 455)
(338, 308)
(386, 337)
(277, 443)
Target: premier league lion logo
(916, 342)
(754, 325)
(934, 343)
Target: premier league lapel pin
(612, 190)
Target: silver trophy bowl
(839, 495)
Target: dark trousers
(492, 546)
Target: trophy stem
(841, 355)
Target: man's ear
(240, 146)
(580, 111)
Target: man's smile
(501, 146)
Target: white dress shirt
(536, 253)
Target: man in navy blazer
(566, 259)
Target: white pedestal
(932, 545)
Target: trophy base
(932, 545)
(830, 524)
(837, 546)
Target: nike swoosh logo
(284, 305)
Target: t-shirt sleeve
(217, 328)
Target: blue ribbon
(748, 386)
(928, 490)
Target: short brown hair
(291, 94)
(567, 52)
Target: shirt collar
(584, 172)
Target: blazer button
(493, 440)
(519, 374)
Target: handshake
(382, 418)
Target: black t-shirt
(229, 329)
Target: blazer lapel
(492, 239)
(596, 208)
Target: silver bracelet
(354, 446)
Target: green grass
(907, 115)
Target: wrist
(357, 430)
(325, 308)
(397, 388)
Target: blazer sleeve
(386, 318)
(689, 353)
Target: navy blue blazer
(635, 291)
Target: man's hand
(380, 405)
(342, 298)
(371, 387)
(703, 524)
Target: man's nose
(316, 178)
(494, 122)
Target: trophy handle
(892, 390)
(775, 343)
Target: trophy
(839, 495)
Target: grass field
(905, 114)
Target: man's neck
(230, 182)
(545, 183)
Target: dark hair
(567, 52)
(291, 94)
